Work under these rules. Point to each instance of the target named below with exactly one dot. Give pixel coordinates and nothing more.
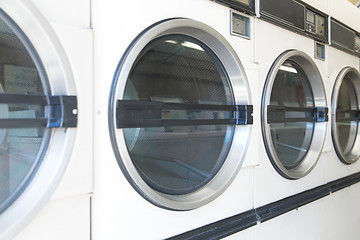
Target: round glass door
(345, 101)
(291, 140)
(174, 115)
(21, 149)
(34, 147)
(179, 159)
(293, 110)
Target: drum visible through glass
(291, 140)
(179, 159)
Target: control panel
(296, 16)
(315, 23)
(344, 38)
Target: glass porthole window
(294, 114)
(33, 116)
(174, 114)
(178, 159)
(345, 112)
(19, 147)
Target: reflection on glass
(291, 140)
(247, 2)
(346, 127)
(18, 147)
(179, 159)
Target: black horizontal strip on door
(347, 115)
(136, 114)
(242, 221)
(282, 114)
(60, 111)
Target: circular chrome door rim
(314, 76)
(355, 79)
(57, 155)
(236, 74)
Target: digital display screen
(310, 16)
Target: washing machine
(173, 116)
(344, 77)
(289, 108)
(343, 90)
(46, 126)
(291, 49)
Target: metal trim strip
(250, 218)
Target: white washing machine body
(274, 46)
(341, 62)
(55, 200)
(343, 86)
(344, 12)
(124, 205)
(321, 217)
(285, 53)
(321, 5)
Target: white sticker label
(20, 79)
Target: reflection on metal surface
(288, 69)
(294, 113)
(188, 157)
